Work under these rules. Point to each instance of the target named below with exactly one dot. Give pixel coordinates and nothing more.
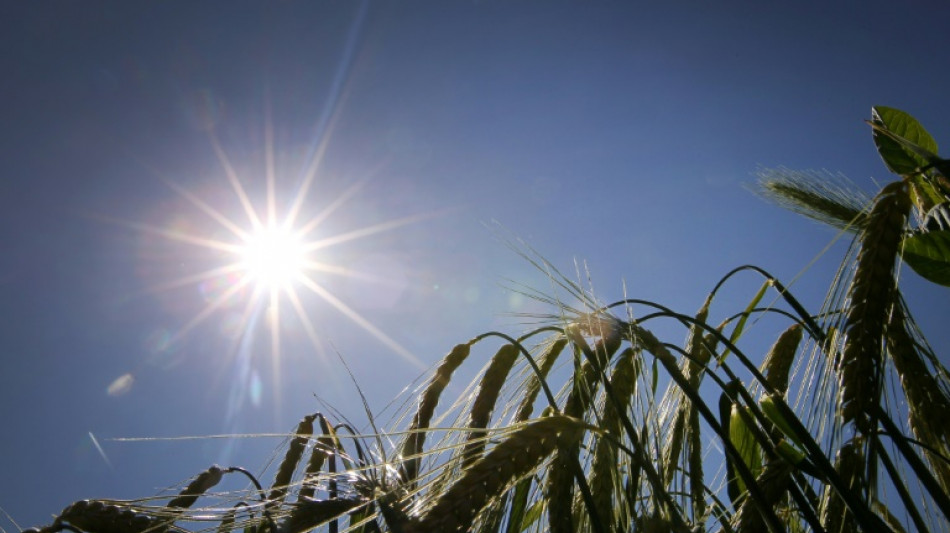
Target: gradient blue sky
(620, 133)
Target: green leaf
(790, 453)
(740, 326)
(742, 438)
(925, 193)
(734, 486)
(896, 135)
(533, 514)
(772, 412)
(517, 510)
(797, 458)
(929, 255)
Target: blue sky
(614, 133)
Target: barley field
(630, 416)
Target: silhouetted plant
(591, 422)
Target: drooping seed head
(521, 452)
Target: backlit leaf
(929, 255)
(901, 157)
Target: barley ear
(850, 460)
(197, 487)
(100, 517)
(286, 469)
(322, 450)
(697, 487)
(819, 195)
(559, 485)
(607, 330)
(605, 477)
(872, 296)
(533, 386)
(488, 389)
(309, 514)
(698, 347)
(430, 398)
(227, 523)
(927, 402)
(486, 479)
(778, 362)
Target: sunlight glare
(273, 258)
(275, 255)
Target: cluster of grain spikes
(518, 454)
(592, 423)
(873, 294)
(877, 367)
(333, 486)
(118, 516)
(574, 433)
(608, 477)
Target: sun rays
(275, 257)
(260, 245)
(263, 259)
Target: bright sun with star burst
(274, 252)
(273, 258)
(270, 257)
(265, 260)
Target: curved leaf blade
(742, 438)
(929, 255)
(901, 157)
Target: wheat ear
(308, 514)
(533, 386)
(430, 398)
(559, 485)
(605, 477)
(693, 368)
(872, 296)
(488, 389)
(322, 449)
(778, 362)
(286, 469)
(197, 487)
(486, 479)
(928, 404)
(100, 517)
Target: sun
(273, 258)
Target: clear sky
(618, 133)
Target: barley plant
(596, 421)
